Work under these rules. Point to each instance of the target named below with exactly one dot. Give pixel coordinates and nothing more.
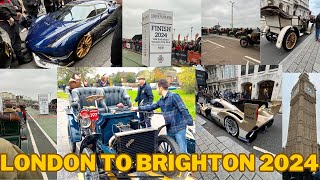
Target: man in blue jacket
(175, 114)
(144, 97)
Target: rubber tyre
(284, 42)
(71, 144)
(91, 175)
(237, 126)
(162, 140)
(244, 42)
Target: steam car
(231, 117)
(58, 39)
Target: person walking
(175, 114)
(32, 7)
(49, 5)
(116, 47)
(144, 97)
(318, 27)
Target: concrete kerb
(207, 143)
(289, 60)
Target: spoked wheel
(289, 40)
(71, 144)
(88, 175)
(231, 126)
(167, 145)
(244, 42)
(83, 47)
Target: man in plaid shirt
(175, 113)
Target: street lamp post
(232, 14)
(191, 33)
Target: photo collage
(174, 83)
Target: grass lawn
(188, 99)
(47, 122)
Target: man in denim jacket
(174, 112)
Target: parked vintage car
(251, 39)
(58, 39)
(101, 120)
(283, 28)
(14, 129)
(232, 118)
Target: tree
(187, 78)
(158, 74)
(64, 74)
(131, 77)
(147, 74)
(116, 79)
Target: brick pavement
(207, 143)
(304, 58)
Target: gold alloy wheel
(84, 46)
(291, 40)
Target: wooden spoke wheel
(84, 46)
(290, 40)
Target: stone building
(260, 81)
(292, 7)
(222, 78)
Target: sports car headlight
(58, 41)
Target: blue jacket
(174, 112)
(145, 94)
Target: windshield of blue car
(75, 12)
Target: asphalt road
(98, 56)
(228, 51)
(270, 54)
(270, 141)
(39, 143)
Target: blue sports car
(58, 39)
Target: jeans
(180, 138)
(317, 33)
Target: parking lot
(228, 51)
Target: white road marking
(204, 40)
(248, 62)
(215, 44)
(252, 59)
(45, 134)
(262, 150)
(35, 148)
(204, 53)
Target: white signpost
(43, 103)
(157, 38)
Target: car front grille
(137, 141)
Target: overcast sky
(186, 14)
(314, 6)
(288, 81)
(245, 13)
(29, 82)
